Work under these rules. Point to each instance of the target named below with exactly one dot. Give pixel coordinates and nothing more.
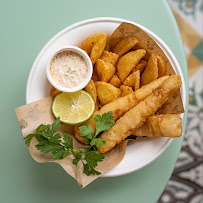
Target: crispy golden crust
(140, 66)
(105, 70)
(121, 105)
(94, 46)
(97, 49)
(90, 42)
(106, 92)
(115, 81)
(130, 80)
(161, 66)
(164, 125)
(136, 116)
(109, 57)
(91, 89)
(125, 45)
(151, 71)
(54, 91)
(137, 79)
(126, 90)
(128, 61)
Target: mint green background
(25, 28)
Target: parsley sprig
(61, 145)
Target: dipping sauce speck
(68, 69)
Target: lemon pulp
(73, 108)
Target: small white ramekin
(89, 73)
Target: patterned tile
(186, 182)
(198, 51)
(193, 63)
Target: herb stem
(50, 141)
(80, 150)
(96, 133)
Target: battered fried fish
(136, 116)
(164, 125)
(123, 104)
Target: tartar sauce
(68, 69)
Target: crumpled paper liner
(30, 116)
(174, 104)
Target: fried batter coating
(136, 116)
(164, 125)
(54, 91)
(123, 104)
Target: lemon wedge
(73, 108)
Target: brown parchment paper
(30, 116)
(174, 104)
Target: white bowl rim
(81, 53)
(153, 36)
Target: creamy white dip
(68, 69)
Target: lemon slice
(73, 108)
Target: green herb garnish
(50, 142)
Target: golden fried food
(137, 79)
(127, 62)
(133, 80)
(95, 76)
(151, 71)
(105, 70)
(109, 57)
(125, 45)
(91, 89)
(107, 92)
(164, 125)
(94, 46)
(126, 90)
(130, 80)
(91, 41)
(115, 81)
(97, 105)
(54, 91)
(136, 116)
(123, 104)
(161, 66)
(140, 66)
(97, 50)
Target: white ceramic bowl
(138, 154)
(81, 53)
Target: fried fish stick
(136, 116)
(165, 125)
(123, 104)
